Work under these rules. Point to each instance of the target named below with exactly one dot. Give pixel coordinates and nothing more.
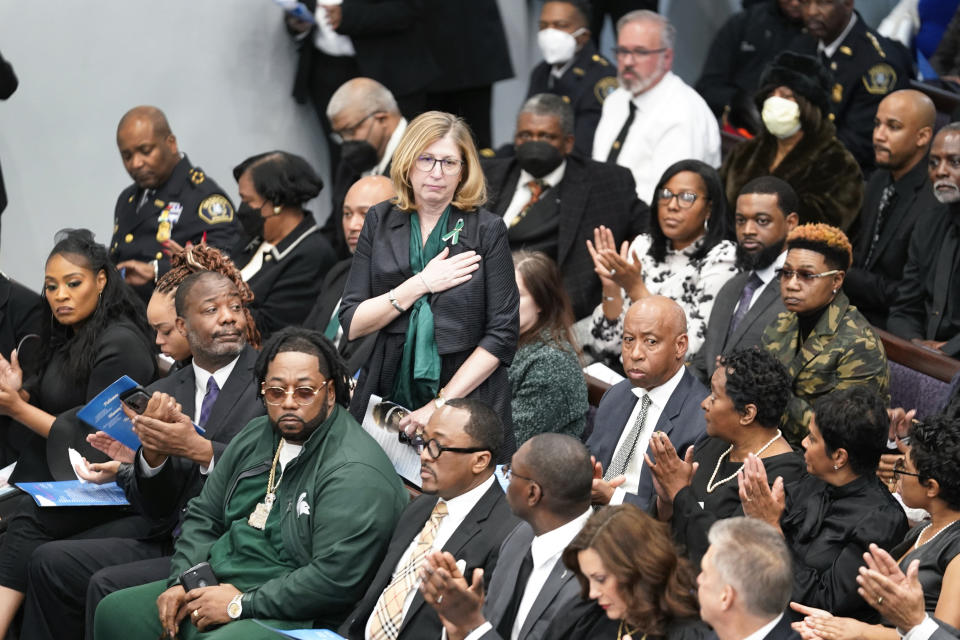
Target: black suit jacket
(782, 630)
(476, 541)
(872, 286)
(681, 419)
(8, 84)
(748, 332)
(590, 194)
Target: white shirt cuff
(145, 467)
(922, 631)
(482, 629)
(618, 496)
(208, 469)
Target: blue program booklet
(75, 493)
(304, 634)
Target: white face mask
(781, 116)
(557, 46)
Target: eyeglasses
(507, 472)
(340, 135)
(685, 199)
(622, 53)
(449, 166)
(804, 276)
(900, 469)
(303, 395)
(435, 449)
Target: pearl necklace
(916, 542)
(711, 485)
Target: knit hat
(804, 75)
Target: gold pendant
(258, 519)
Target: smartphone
(198, 576)
(136, 398)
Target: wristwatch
(235, 608)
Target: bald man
(897, 194)
(364, 193)
(169, 200)
(659, 394)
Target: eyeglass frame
(622, 52)
(803, 276)
(290, 393)
(508, 472)
(337, 136)
(420, 445)
(899, 469)
(460, 164)
(680, 202)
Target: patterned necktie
(388, 614)
(208, 400)
(886, 198)
(753, 283)
(618, 143)
(536, 186)
(621, 459)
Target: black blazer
(748, 332)
(476, 541)
(290, 279)
(872, 287)
(8, 84)
(590, 194)
(782, 630)
(682, 419)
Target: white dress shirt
(253, 267)
(922, 631)
(457, 510)
(767, 276)
(830, 49)
(672, 123)
(522, 195)
(545, 550)
(762, 632)
(392, 144)
(659, 396)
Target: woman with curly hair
(625, 561)
(822, 340)
(928, 478)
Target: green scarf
(418, 378)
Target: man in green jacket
(293, 520)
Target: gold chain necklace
(258, 519)
(629, 634)
(711, 485)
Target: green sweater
(549, 393)
(329, 528)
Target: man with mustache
(653, 119)
(217, 391)
(170, 200)
(766, 212)
(896, 196)
(462, 511)
(293, 520)
(927, 308)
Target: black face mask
(359, 155)
(251, 221)
(538, 158)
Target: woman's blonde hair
(423, 131)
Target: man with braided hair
(822, 340)
(293, 520)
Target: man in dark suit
(896, 195)
(866, 66)
(8, 84)
(745, 581)
(766, 212)
(572, 68)
(169, 469)
(659, 394)
(462, 511)
(549, 490)
(551, 201)
(324, 316)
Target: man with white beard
(927, 308)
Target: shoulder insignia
(845, 50)
(577, 71)
(487, 152)
(880, 79)
(130, 199)
(215, 209)
(837, 92)
(604, 87)
(599, 59)
(196, 176)
(876, 44)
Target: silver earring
(836, 468)
(277, 209)
(835, 291)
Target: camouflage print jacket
(841, 351)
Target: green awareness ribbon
(455, 232)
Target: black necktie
(618, 143)
(887, 196)
(505, 628)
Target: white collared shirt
(767, 276)
(545, 550)
(392, 144)
(522, 194)
(256, 261)
(457, 510)
(830, 49)
(762, 632)
(659, 396)
(672, 123)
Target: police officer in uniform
(169, 200)
(865, 65)
(572, 68)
